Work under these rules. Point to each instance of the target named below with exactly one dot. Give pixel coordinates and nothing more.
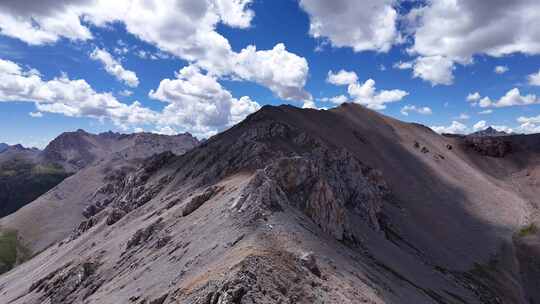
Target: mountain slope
(24, 178)
(304, 206)
(56, 213)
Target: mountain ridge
(340, 205)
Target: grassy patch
(48, 170)
(22, 181)
(527, 230)
(11, 250)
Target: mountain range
(289, 206)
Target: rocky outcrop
(144, 235)
(70, 284)
(489, 146)
(199, 200)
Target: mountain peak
(489, 131)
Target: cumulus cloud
(367, 25)
(534, 79)
(454, 128)
(481, 125)
(366, 94)
(412, 108)
(501, 69)
(363, 93)
(511, 98)
(113, 67)
(165, 130)
(197, 100)
(456, 30)
(186, 29)
(342, 77)
(529, 124)
(281, 71)
(473, 97)
(65, 96)
(435, 69)
(503, 128)
(438, 70)
(42, 22)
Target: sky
(201, 66)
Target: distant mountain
(292, 206)
(76, 150)
(490, 131)
(27, 173)
(52, 204)
(3, 147)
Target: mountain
(3, 147)
(27, 173)
(24, 178)
(76, 150)
(490, 131)
(296, 206)
(40, 177)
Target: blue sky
(201, 66)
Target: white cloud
(41, 22)
(196, 102)
(281, 71)
(366, 94)
(164, 130)
(485, 112)
(401, 65)
(435, 69)
(529, 124)
(511, 98)
(481, 125)
(368, 25)
(501, 69)
(456, 30)
(342, 77)
(65, 96)
(125, 93)
(36, 114)
(455, 128)
(336, 99)
(113, 67)
(502, 128)
(473, 97)
(200, 103)
(362, 93)
(534, 79)
(463, 116)
(186, 29)
(412, 108)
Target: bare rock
(115, 215)
(308, 260)
(489, 146)
(143, 235)
(199, 200)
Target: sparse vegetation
(23, 181)
(527, 230)
(11, 250)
